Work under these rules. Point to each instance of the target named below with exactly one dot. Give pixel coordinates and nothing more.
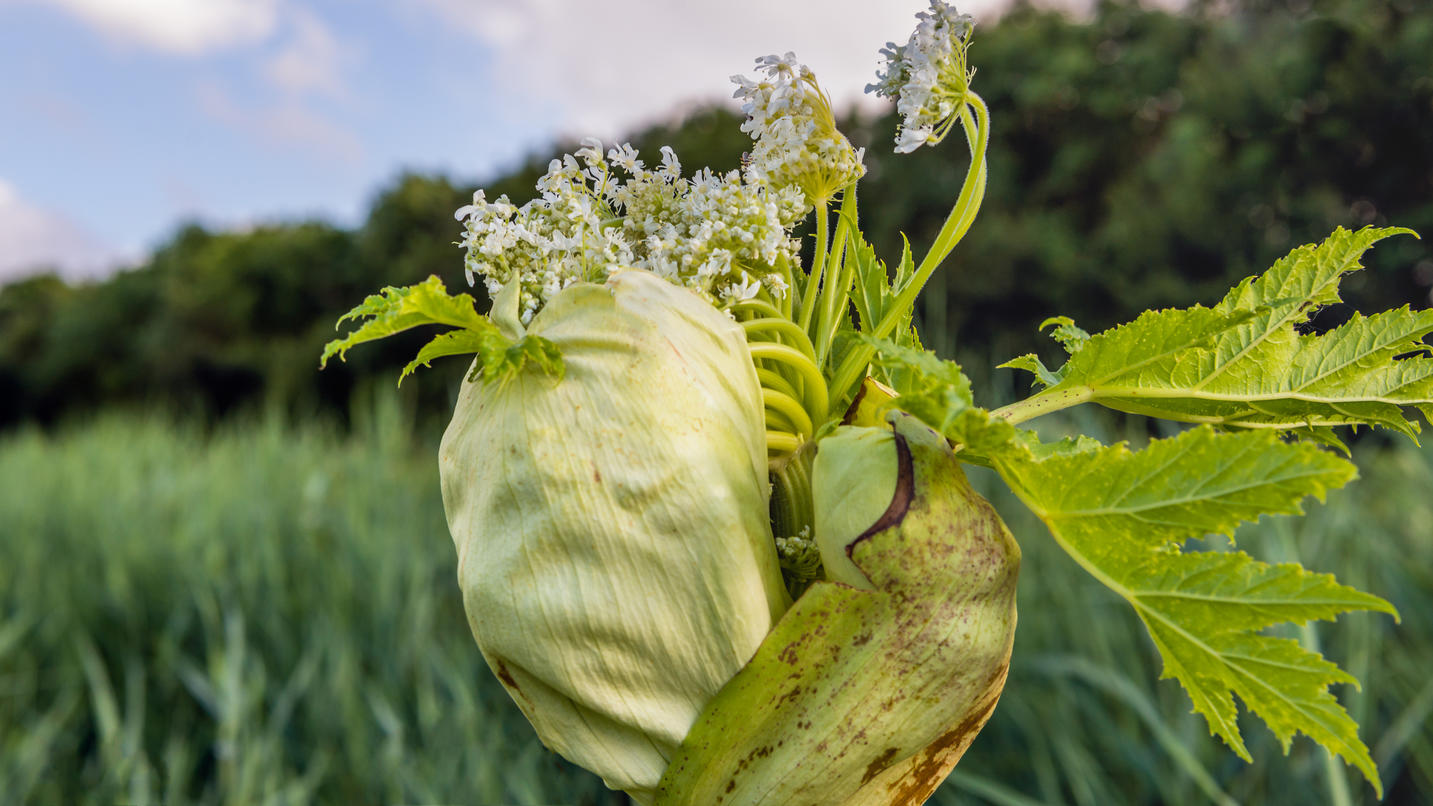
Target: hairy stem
(1045, 402)
(818, 264)
(962, 215)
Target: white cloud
(178, 26)
(619, 63)
(312, 59)
(33, 238)
(287, 122)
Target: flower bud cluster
(927, 77)
(716, 234)
(796, 140)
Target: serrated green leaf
(491, 351)
(1124, 516)
(1070, 336)
(932, 389)
(906, 269)
(1032, 364)
(1155, 345)
(938, 393)
(394, 310)
(454, 342)
(869, 292)
(1323, 435)
(530, 348)
(1243, 363)
(874, 290)
(1029, 447)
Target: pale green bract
(614, 551)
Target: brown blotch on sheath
(855, 405)
(935, 763)
(881, 762)
(506, 676)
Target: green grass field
(268, 615)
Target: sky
(122, 119)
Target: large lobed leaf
(1124, 515)
(1245, 363)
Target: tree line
(1138, 159)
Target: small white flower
(671, 166)
(743, 289)
(776, 284)
(591, 152)
(625, 157)
(927, 77)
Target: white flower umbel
(797, 144)
(549, 243)
(927, 77)
(714, 233)
(719, 235)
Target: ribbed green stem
(818, 264)
(773, 380)
(791, 507)
(781, 442)
(795, 336)
(813, 385)
(790, 409)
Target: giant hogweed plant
(713, 531)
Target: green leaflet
(1066, 332)
(938, 393)
(874, 295)
(1244, 363)
(1123, 516)
(394, 310)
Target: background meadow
(265, 613)
(225, 578)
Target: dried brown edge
(900, 502)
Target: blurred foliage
(264, 613)
(1139, 159)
